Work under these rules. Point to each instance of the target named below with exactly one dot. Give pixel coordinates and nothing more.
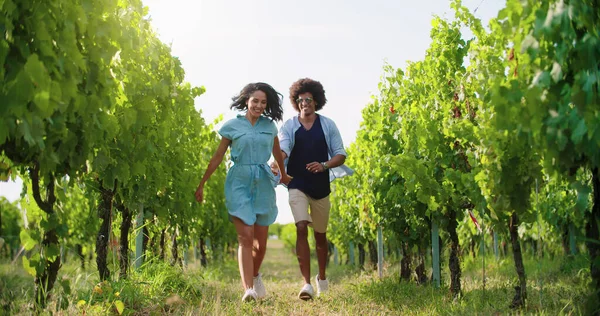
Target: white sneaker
(322, 285)
(307, 292)
(249, 295)
(259, 287)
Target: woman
(249, 186)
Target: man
(314, 154)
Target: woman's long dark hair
(274, 109)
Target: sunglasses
(307, 100)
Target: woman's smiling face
(257, 103)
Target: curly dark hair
(308, 85)
(274, 109)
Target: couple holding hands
(309, 154)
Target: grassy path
(283, 281)
(554, 288)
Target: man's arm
(285, 138)
(336, 161)
(336, 145)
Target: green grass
(555, 287)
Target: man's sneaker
(259, 287)
(307, 292)
(249, 295)
(322, 285)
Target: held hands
(285, 178)
(274, 168)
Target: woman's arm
(215, 161)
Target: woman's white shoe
(249, 295)
(259, 286)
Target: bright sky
(225, 44)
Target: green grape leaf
(52, 252)
(37, 72)
(29, 266)
(579, 132)
(27, 241)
